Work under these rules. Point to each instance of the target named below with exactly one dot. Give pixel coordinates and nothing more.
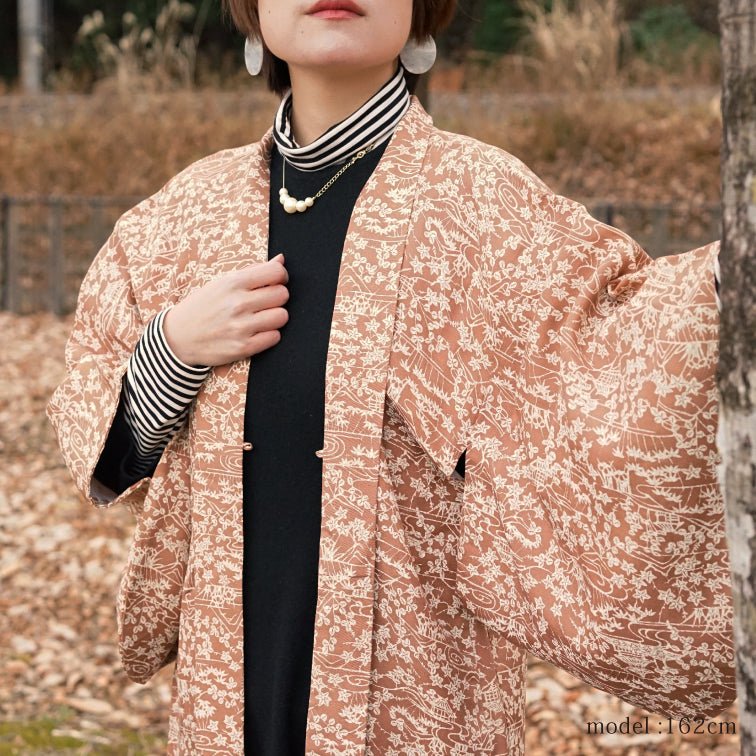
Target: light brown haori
(476, 311)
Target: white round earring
(418, 57)
(253, 55)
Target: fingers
(273, 295)
(263, 274)
(261, 341)
(269, 320)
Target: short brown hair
(429, 17)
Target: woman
(286, 360)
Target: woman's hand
(232, 317)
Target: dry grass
(113, 145)
(573, 48)
(129, 139)
(586, 46)
(607, 147)
(587, 145)
(596, 141)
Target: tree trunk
(736, 374)
(30, 45)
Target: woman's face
(340, 45)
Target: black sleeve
(117, 467)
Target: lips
(347, 5)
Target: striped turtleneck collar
(372, 122)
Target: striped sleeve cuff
(717, 276)
(159, 387)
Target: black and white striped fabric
(158, 389)
(371, 123)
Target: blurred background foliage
(668, 33)
(610, 98)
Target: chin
(337, 63)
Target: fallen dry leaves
(60, 563)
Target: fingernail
(277, 256)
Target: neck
(318, 101)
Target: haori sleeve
(106, 327)
(593, 529)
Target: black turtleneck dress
(284, 420)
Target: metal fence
(48, 243)
(46, 246)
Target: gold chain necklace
(293, 205)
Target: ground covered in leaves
(62, 689)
